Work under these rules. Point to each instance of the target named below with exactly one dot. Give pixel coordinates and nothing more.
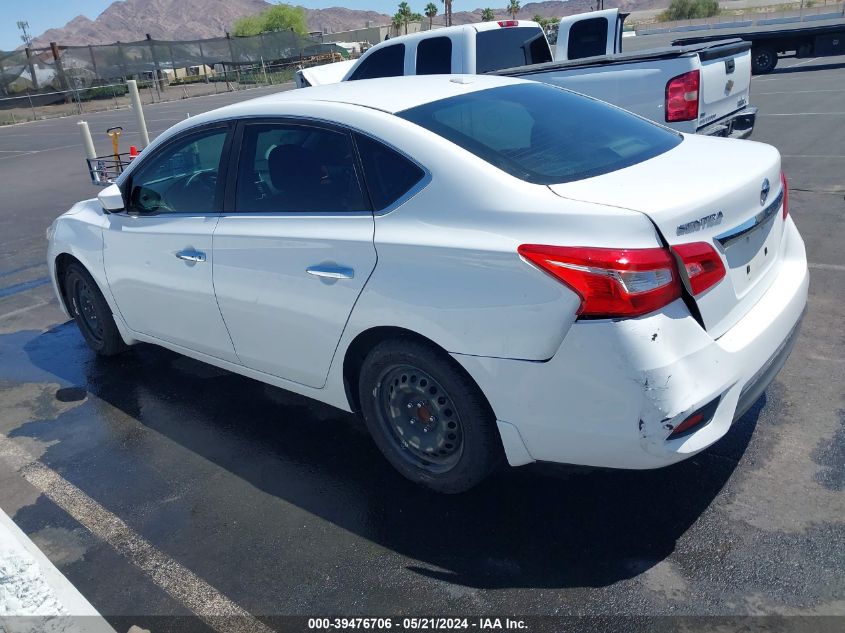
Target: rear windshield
(506, 47)
(542, 134)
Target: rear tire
(92, 314)
(427, 417)
(763, 60)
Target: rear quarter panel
(448, 266)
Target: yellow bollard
(114, 134)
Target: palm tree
(430, 12)
(448, 6)
(487, 15)
(514, 7)
(397, 22)
(405, 12)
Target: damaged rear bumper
(615, 390)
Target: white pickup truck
(702, 88)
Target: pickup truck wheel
(427, 416)
(763, 60)
(91, 312)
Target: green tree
(690, 10)
(513, 8)
(248, 25)
(284, 17)
(279, 17)
(487, 15)
(430, 13)
(397, 21)
(405, 12)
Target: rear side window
(543, 134)
(507, 47)
(297, 169)
(389, 175)
(386, 62)
(434, 56)
(587, 38)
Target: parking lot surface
(162, 486)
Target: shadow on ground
(538, 526)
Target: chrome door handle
(331, 272)
(191, 256)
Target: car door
(157, 252)
(294, 248)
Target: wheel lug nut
(432, 419)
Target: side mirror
(111, 198)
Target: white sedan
(484, 268)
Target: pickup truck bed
(723, 100)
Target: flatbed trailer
(767, 44)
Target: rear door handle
(331, 272)
(191, 256)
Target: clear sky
(46, 14)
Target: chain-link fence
(60, 80)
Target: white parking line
(211, 606)
(836, 267)
(798, 92)
(802, 114)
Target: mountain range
(131, 20)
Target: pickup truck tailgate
(725, 81)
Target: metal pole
(31, 107)
(28, 52)
(157, 70)
(59, 68)
(93, 61)
(135, 100)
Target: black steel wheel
(92, 314)
(427, 416)
(419, 417)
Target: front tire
(427, 417)
(91, 312)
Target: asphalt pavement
(164, 487)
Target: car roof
(389, 94)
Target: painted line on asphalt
(211, 606)
(8, 291)
(803, 114)
(835, 267)
(9, 315)
(798, 92)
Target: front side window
(434, 56)
(507, 47)
(389, 175)
(183, 177)
(385, 62)
(542, 134)
(297, 169)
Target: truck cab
(467, 49)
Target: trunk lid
(725, 81)
(707, 190)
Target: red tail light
(611, 282)
(703, 266)
(682, 97)
(505, 23)
(785, 194)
